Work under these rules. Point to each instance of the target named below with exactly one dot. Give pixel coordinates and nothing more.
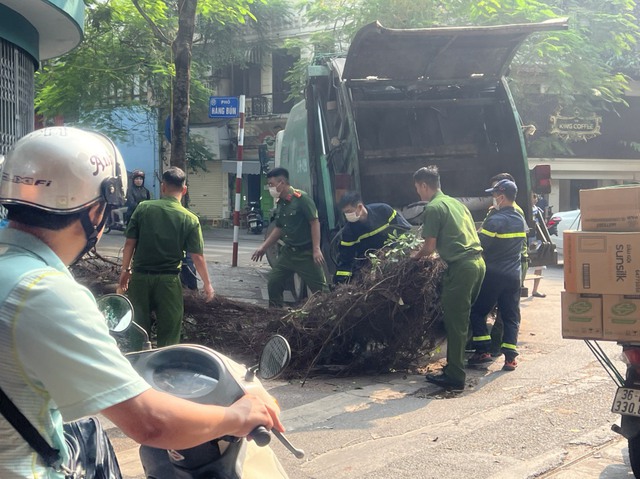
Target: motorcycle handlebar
(261, 436)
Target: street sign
(223, 107)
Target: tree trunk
(182, 60)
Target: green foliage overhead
(586, 67)
(125, 62)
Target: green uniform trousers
(460, 286)
(161, 293)
(290, 262)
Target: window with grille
(16, 94)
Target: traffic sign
(223, 107)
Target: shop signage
(575, 128)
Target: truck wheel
(298, 288)
(634, 455)
(296, 284)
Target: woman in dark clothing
(137, 192)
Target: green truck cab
(403, 99)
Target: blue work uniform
(502, 236)
(370, 235)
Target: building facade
(31, 31)
(262, 81)
(604, 148)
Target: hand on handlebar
(252, 412)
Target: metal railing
(268, 104)
(260, 105)
(16, 94)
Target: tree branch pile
(390, 319)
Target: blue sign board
(223, 107)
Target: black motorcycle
(255, 222)
(116, 220)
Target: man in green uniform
(158, 234)
(449, 228)
(297, 229)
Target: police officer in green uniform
(158, 234)
(449, 228)
(297, 229)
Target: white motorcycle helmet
(63, 170)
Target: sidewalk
(241, 283)
(246, 282)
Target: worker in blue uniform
(502, 236)
(368, 228)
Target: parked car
(564, 220)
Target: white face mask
(352, 217)
(273, 191)
(496, 205)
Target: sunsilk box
(621, 317)
(602, 263)
(581, 315)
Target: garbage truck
(401, 99)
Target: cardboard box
(602, 263)
(621, 317)
(611, 209)
(581, 315)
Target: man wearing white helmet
(57, 360)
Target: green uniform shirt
(451, 223)
(293, 215)
(164, 230)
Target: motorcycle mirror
(275, 357)
(117, 311)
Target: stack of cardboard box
(602, 267)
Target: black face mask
(91, 231)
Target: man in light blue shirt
(57, 360)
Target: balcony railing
(268, 104)
(260, 105)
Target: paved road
(549, 418)
(218, 245)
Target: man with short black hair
(448, 228)
(158, 234)
(368, 228)
(297, 229)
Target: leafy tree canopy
(124, 61)
(586, 67)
